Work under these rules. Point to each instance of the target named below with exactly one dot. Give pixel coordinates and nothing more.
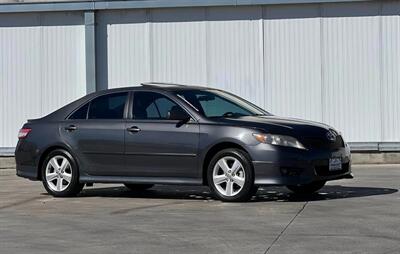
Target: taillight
(23, 133)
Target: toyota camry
(160, 133)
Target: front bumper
(291, 167)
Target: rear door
(156, 145)
(96, 133)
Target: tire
(138, 187)
(254, 190)
(225, 182)
(67, 170)
(306, 188)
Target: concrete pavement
(361, 215)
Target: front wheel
(230, 175)
(60, 174)
(306, 188)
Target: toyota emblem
(331, 135)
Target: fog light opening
(290, 171)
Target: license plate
(335, 164)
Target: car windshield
(216, 103)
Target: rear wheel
(60, 175)
(306, 188)
(138, 187)
(230, 176)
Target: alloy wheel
(58, 173)
(228, 176)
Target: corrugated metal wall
(390, 72)
(335, 63)
(292, 59)
(42, 67)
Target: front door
(157, 145)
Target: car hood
(281, 125)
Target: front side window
(215, 103)
(110, 106)
(155, 106)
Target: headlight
(278, 140)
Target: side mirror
(177, 113)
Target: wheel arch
(215, 149)
(46, 152)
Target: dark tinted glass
(110, 106)
(153, 106)
(81, 113)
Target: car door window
(153, 106)
(80, 113)
(110, 106)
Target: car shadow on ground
(264, 194)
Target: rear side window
(110, 106)
(81, 113)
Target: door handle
(133, 129)
(70, 128)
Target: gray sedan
(173, 134)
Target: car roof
(157, 86)
(63, 112)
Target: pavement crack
(127, 210)
(286, 227)
(395, 250)
(19, 203)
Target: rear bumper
(29, 172)
(291, 168)
(26, 157)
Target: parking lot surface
(360, 215)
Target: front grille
(324, 170)
(322, 143)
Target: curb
(376, 158)
(7, 162)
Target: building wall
(334, 63)
(42, 67)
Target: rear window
(110, 106)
